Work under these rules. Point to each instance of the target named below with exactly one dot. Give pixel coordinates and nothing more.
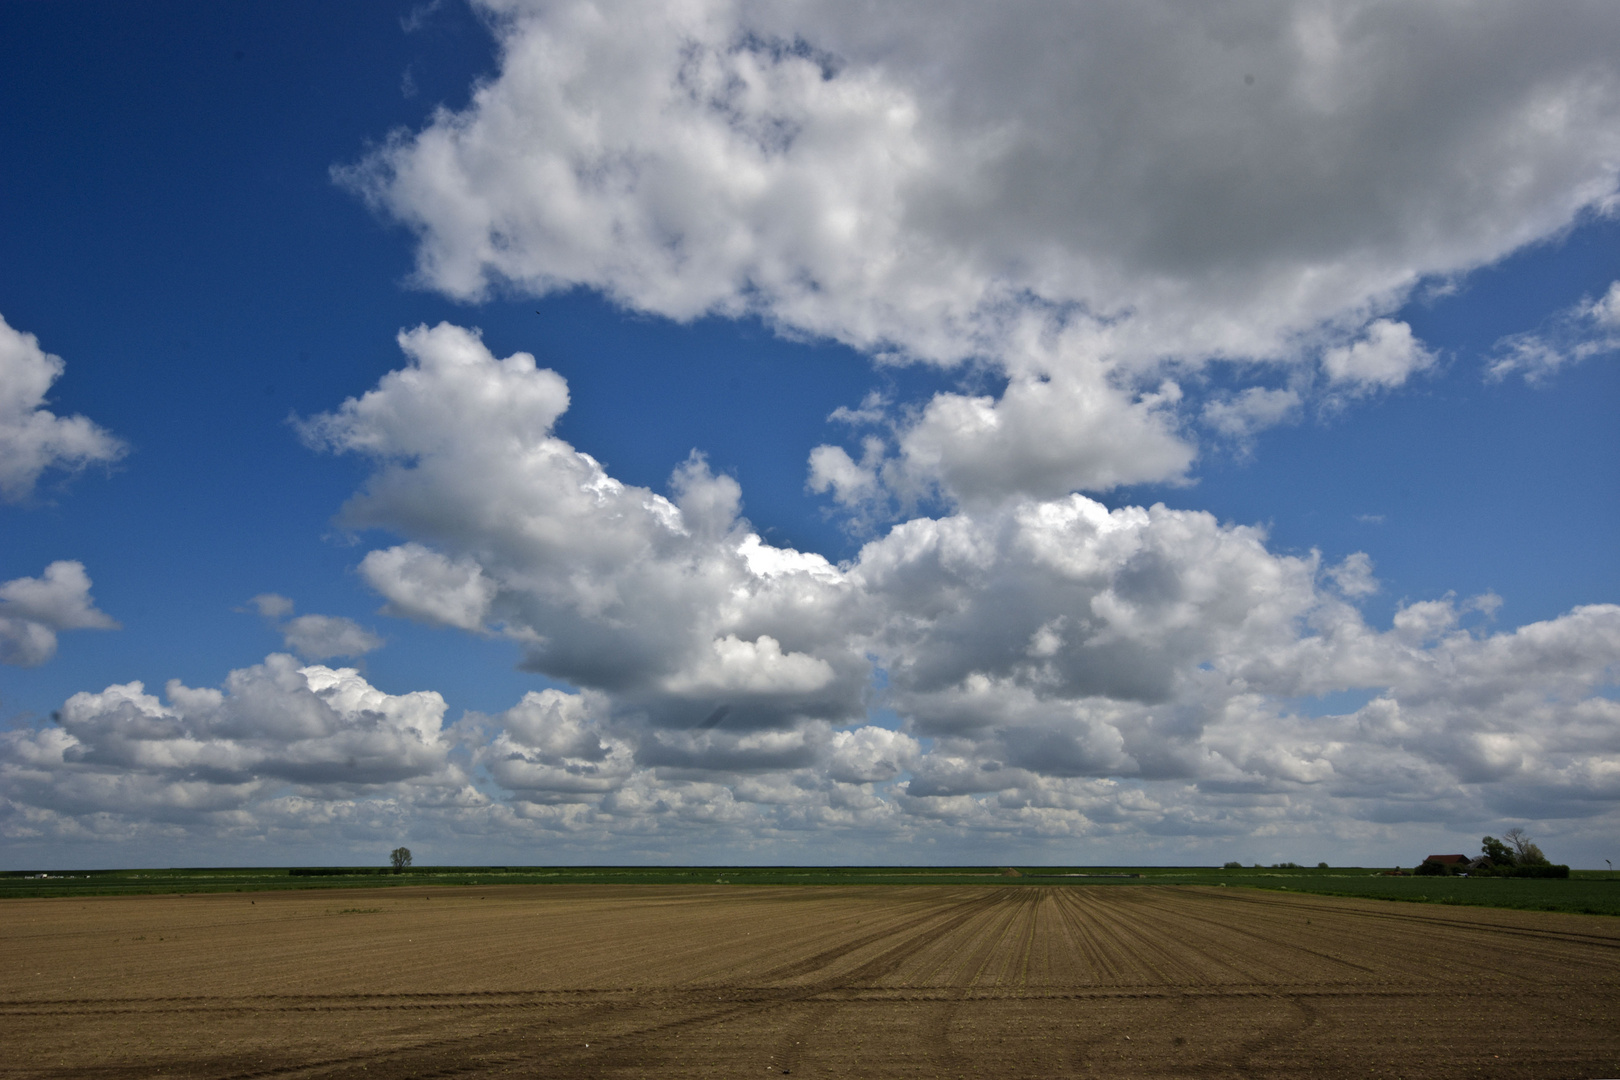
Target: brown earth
(578, 981)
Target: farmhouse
(1450, 860)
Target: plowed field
(578, 981)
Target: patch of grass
(1585, 891)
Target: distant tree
(1321, 866)
(401, 858)
(1496, 851)
(1525, 852)
(1233, 866)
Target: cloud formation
(1240, 416)
(1086, 199)
(1589, 328)
(1087, 206)
(1048, 667)
(1386, 356)
(34, 610)
(33, 439)
(278, 747)
(316, 637)
(1054, 668)
(670, 603)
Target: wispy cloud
(1590, 328)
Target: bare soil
(583, 981)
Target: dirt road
(573, 981)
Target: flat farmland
(714, 981)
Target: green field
(1595, 892)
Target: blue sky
(1335, 286)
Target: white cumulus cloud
(1386, 356)
(34, 610)
(315, 637)
(670, 602)
(1143, 187)
(275, 741)
(1056, 667)
(321, 637)
(32, 438)
(1242, 415)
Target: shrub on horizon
(1540, 870)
